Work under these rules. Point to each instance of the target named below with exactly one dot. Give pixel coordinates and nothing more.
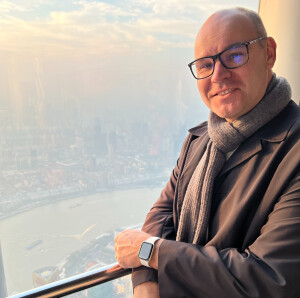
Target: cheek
(203, 89)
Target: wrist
(147, 249)
(153, 263)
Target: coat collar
(199, 130)
(274, 131)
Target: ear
(270, 50)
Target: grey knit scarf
(224, 137)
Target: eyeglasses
(232, 57)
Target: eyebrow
(234, 44)
(226, 48)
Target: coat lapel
(244, 152)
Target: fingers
(123, 234)
(117, 237)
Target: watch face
(145, 251)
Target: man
(233, 200)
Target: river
(45, 235)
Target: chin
(229, 111)
(225, 114)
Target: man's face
(231, 93)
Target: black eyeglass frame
(218, 56)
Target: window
(96, 99)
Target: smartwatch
(146, 250)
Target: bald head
(251, 15)
(243, 19)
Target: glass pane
(96, 99)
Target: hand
(127, 246)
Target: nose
(220, 72)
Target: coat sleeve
(159, 221)
(270, 267)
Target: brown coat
(253, 246)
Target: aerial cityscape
(96, 100)
(42, 164)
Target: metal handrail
(77, 283)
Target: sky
(101, 57)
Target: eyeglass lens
(231, 58)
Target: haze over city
(100, 59)
(96, 99)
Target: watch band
(150, 240)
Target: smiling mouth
(224, 92)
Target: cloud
(106, 9)
(96, 27)
(8, 6)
